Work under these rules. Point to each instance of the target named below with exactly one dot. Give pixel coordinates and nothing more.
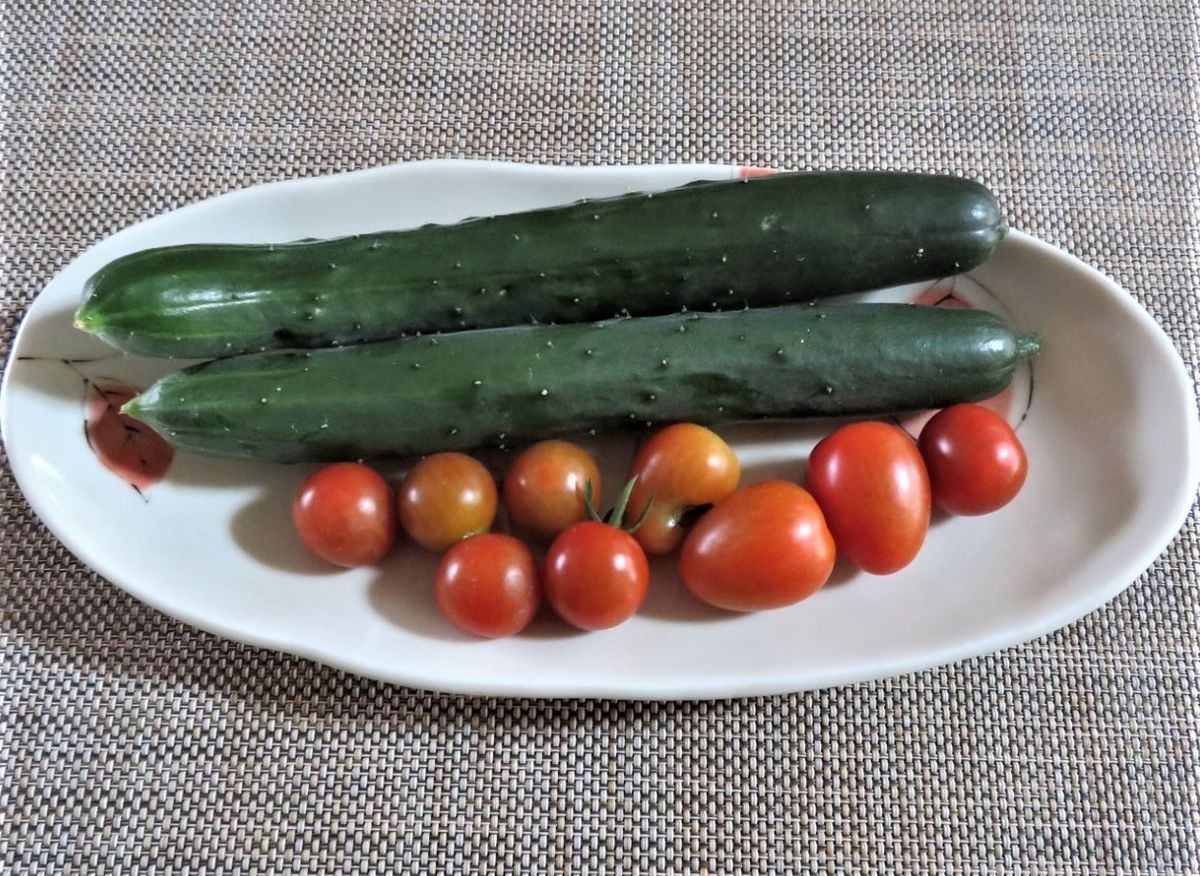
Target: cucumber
(726, 244)
(466, 390)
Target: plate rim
(709, 688)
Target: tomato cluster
(868, 496)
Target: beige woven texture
(132, 743)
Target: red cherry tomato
(976, 462)
(488, 585)
(595, 575)
(543, 489)
(681, 467)
(871, 483)
(346, 514)
(765, 546)
(445, 498)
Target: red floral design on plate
(127, 447)
(748, 172)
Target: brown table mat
(129, 742)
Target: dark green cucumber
(725, 244)
(493, 386)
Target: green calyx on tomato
(596, 575)
(616, 515)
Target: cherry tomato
(871, 483)
(681, 467)
(346, 514)
(543, 489)
(595, 575)
(445, 498)
(765, 546)
(976, 462)
(488, 585)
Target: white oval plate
(1111, 437)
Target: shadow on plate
(263, 530)
(669, 599)
(401, 592)
(844, 572)
(547, 625)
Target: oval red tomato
(764, 546)
(595, 575)
(544, 488)
(488, 585)
(681, 467)
(871, 482)
(346, 513)
(976, 462)
(445, 498)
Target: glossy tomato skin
(346, 514)
(488, 585)
(681, 467)
(976, 462)
(765, 546)
(595, 575)
(871, 482)
(445, 498)
(544, 487)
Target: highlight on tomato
(595, 573)
(488, 585)
(445, 498)
(871, 482)
(345, 513)
(680, 469)
(976, 462)
(764, 546)
(543, 488)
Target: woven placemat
(129, 742)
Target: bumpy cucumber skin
(725, 244)
(510, 385)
